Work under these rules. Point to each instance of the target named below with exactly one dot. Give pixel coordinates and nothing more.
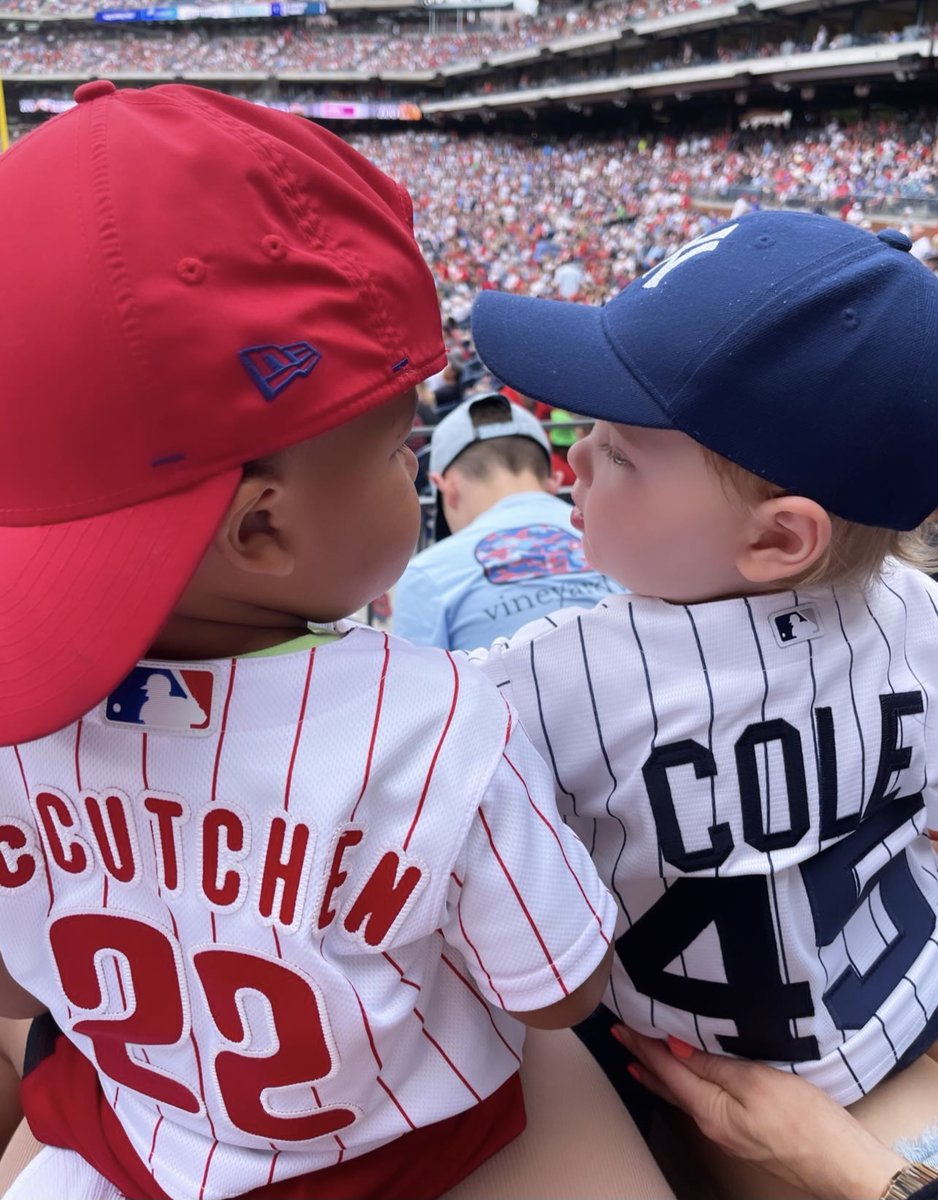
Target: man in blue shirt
(513, 555)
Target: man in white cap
(513, 554)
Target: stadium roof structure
(855, 62)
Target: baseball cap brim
(558, 352)
(83, 600)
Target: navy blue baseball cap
(799, 347)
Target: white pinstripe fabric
(601, 691)
(367, 735)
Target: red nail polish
(678, 1048)
(634, 1072)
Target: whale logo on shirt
(530, 552)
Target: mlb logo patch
(799, 624)
(165, 699)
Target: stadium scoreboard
(228, 11)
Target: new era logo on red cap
(274, 368)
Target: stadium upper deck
(618, 41)
(292, 52)
(649, 57)
(506, 212)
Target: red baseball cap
(195, 282)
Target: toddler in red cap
(276, 889)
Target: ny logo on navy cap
(799, 347)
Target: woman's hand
(769, 1117)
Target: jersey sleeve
(500, 660)
(526, 908)
(419, 611)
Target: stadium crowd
(585, 215)
(311, 48)
(537, 28)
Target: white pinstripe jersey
(287, 937)
(750, 776)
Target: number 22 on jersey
(153, 1010)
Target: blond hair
(855, 553)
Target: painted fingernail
(678, 1048)
(619, 1033)
(634, 1072)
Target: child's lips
(576, 518)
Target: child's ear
(787, 536)
(252, 536)
(554, 483)
(447, 485)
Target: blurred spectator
(563, 433)
(513, 554)
(507, 31)
(922, 244)
(509, 213)
(515, 213)
(447, 387)
(567, 279)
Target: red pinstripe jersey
(282, 902)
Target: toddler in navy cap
(748, 741)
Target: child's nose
(410, 462)
(578, 458)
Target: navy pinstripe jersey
(752, 776)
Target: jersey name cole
(752, 782)
(757, 739)
(764, 1003)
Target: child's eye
(615, 457)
